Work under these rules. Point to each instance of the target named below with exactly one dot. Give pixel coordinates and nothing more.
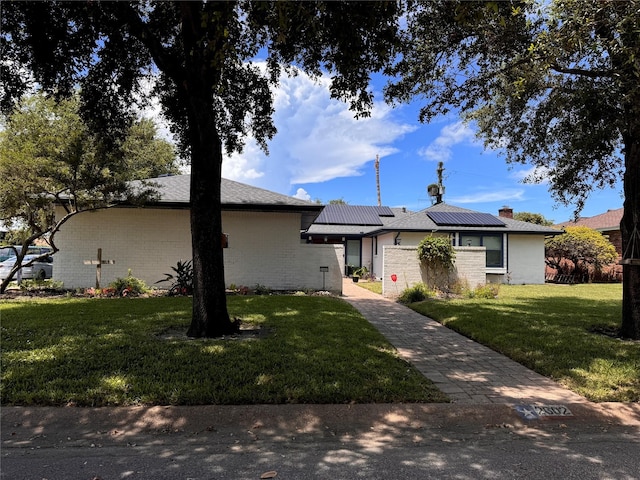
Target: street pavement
(504, 422)
(410, 441)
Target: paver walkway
(463, 369)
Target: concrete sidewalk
(466, 371)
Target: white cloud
(318, 138)
(441, 148)
(244, 167)
(302, 194)
(493, 196)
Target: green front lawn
(375, 287)
(112, 352)
(550, 329)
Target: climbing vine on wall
(437, 256)
(437, 252)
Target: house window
(353, 252)
(493, 244)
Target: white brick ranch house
(490, 248)
(263, 229)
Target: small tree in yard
(437, 255)
(48, 156)
(579, 251)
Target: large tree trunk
(630, 228)
(210, 317)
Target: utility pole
(440, 185)
(378, 178)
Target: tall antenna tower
(377, 164)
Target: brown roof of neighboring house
(610, 220)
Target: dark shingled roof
(421, 222)
(358, 228)
(404, 221)
(338, 214)
(173, 191)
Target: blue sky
(322, 152)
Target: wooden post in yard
(98, 263)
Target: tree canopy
(201, 58)
(538, 79)
(530, 217)
(554, 84)
(48, 156)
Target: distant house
(263, 230)
(607, 223)
(513, 251)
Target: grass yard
(375, 287)
(549, 328)
(96, 352)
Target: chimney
(506, 212)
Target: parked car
(38, 270)
(8, 252)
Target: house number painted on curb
(533, 412)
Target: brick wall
(147, 241)
(307, 274)
(264, 248)
(470, 265)
(403, 262)
(615, 237)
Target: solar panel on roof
(353, 215)
(465, 219)
(384, 211)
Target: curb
(41, 427)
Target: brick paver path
(463, 369)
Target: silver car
(8, 252)
(38, 270)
